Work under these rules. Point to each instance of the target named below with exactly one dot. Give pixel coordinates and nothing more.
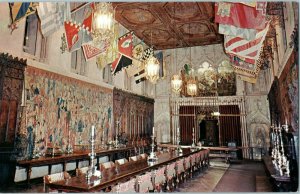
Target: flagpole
(79, 7)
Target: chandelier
(191, 87)
(176, 83)
(152, 69)
(102, 22)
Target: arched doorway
(209, 132)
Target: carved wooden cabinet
(11, 85)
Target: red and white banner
(114, 64)
(245, 33)
(241, 15)
(91, 51)
(78, 29)
(125, 45)
(76, 36)
(246, 50)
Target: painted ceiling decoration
(191, 23)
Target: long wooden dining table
(112, 176)
(65, 158)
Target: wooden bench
(220, 155)
(227, 153)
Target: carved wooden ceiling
(168, 25)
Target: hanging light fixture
(176, 81)
(152, 69)
(192, 83)
(191, 87)
(103, 20)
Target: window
(34, 43)
(78, 63)
(106, 74)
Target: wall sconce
(192, 87)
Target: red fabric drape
(187, 122)
(230, 126)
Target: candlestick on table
(193, 144)
(93, 130)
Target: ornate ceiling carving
(168, 25)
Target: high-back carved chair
(106, 165)
(159, 178)
(53, 178)
(125, 187)
(143, 156)
(145, 182)
(193, 164)
(121, 161)
(170, 175)
(134, 158)
(81, 171)
(187, 167)
(180, 170)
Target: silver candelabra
(279, 159)
(152, 157)
(69, 148)
(178, 141)
(193, 136)
(92, 171)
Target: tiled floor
(219, 177)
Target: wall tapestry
(289, 91)
(61, 109)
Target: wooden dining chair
(193, 164)
(81, 171)
(202, 160)
(134, 158)
(121, 161)
(125, 187)
(159, 178)
(144, 156)
(187, 167)
(207, 158)
(53, 178)
(106, 165)
(180, 170)
(145, 183)
(170, 175)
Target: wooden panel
(168, 25)
(8, 117)
(129, 109)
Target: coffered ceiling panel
(166, 25)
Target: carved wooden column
(11, 86)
